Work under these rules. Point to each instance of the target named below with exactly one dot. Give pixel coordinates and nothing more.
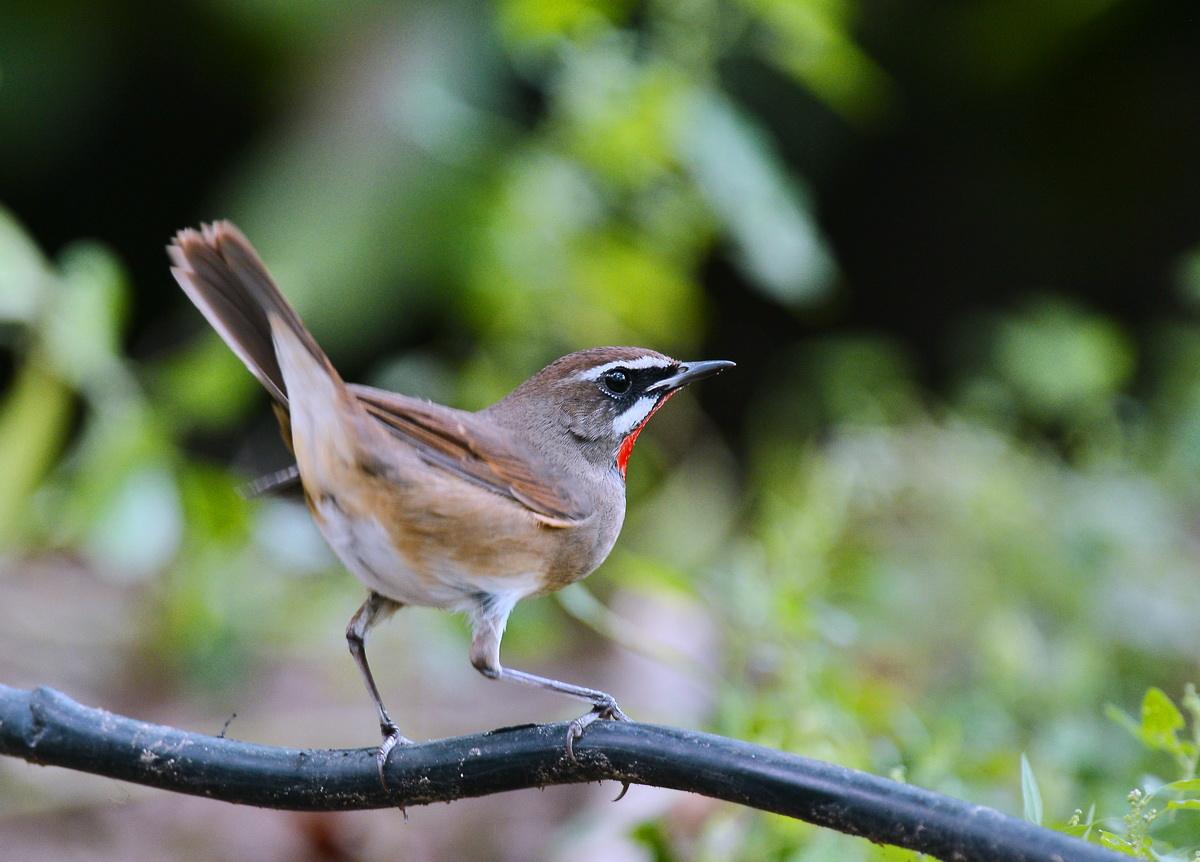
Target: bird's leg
(604, 705)
(375, 609)
(488, 624)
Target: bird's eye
(617, 381)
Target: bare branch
(46, 727)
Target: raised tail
(224, 277)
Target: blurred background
(943, 516)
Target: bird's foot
(391, 738)
(605, 708)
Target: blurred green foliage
(943, 585)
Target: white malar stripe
(634, 416)
(640, 362)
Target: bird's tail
(224, 277)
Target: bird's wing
(464, 445)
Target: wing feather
(459, 442)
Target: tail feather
(225, 278)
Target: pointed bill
(690, 372)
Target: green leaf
(1124, 719)
(1112, 841)
(1161, 721)
(766, 214)
(1057, 358)
(1190, 785)
(1030, 794)
(1191, 701)
(1184, 805)
(26, 282)
(34, 421)
(83, 329)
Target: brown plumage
(433, 506)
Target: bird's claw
(605, 709)
(391, 738)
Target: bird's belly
(425, 575)
(366, 549)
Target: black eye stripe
(620, 382)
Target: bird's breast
(584, 547)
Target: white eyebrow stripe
(640, 362)
(634, 416)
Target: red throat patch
(626, 448)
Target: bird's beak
(690, 372)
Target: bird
(432, 506)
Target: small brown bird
(428, 505)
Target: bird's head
(597, 401)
